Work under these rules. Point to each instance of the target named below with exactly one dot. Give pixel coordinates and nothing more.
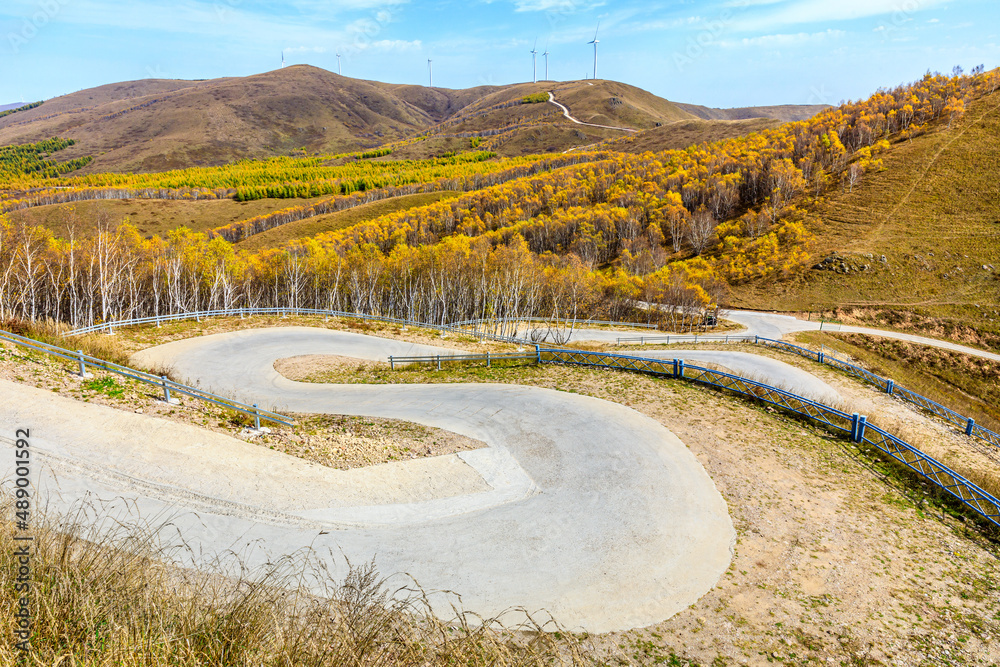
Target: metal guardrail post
(256, 417)
(392, 363)
(820, 357)
(970, 426)
(538, 354)
(858, 424)
(678, 368)
(489, 363)
(439, 361)
(83, 364)
(889, 386)
(166, 388)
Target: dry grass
(968, 385)
(108, 348)
(104, 593)
(934, 213)
(683, 133)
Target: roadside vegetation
(969, 385)
(104, 594)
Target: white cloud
(395, 45)
(784, 40)
(553, 6)
(796, 12)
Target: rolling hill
(784, 112)
(920, 236)
(154, 125)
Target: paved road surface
(552, 100)
(579, 506)
(776, 326)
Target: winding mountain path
(582, 507)
(777, 326)
(552, 100)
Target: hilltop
(154, 125)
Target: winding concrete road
(581, 507)
(578, 506)
(775, 326)
(566, 113)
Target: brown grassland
(933, 213)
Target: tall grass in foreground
(97, 345)
(106, 594)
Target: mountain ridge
(156, 124)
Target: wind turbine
(595, 43)
(340, 71)
(282, 58)
(534, 69)
(430, 71)
(546, 56)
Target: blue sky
(717, 52)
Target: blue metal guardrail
(488, 357)
(852, 425)
(161, 381)
(965, 424)
(109, 327)
(686, 338)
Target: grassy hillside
(156, 125)
(784, 112)
(683, 133)
(933, 214)
(151, 126)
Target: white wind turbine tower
(534, 69)
(282, 58)
(340, 70)
(546, 56)
(595, 43)
(430, 71)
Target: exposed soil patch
(299, 368)
(344, 442)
